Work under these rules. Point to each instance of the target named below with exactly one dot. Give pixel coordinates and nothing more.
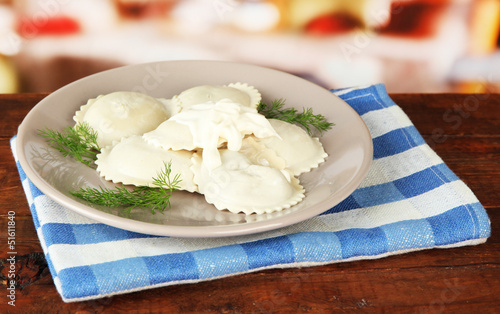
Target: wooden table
(463, 129)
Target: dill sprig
(306, 118)
(155, 198)
(78, 142)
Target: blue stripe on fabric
(86, 233)
(347, 204)
(368, 99)
(267, 252)
(78, 282)
(396, 141)
(171, 267)
(377, 195)
(454, 226)
(52, 269)
(316, 246)
(126, 274)
(362, 242)
(408, 234)
(22, 174)
(58, 233)
(35, 192)
(413, 185)
(362, 103)
(382, 96)
(445, 173)
(221, 261)
(410, 186)
(98, 232)
(421, 182)
(483, 221)
(34, 215)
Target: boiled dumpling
(134, 161)
(215, 140)
(300, 151)
(239, 185)
(258, 154)
(210, 125)
(238, 92)
(170, 106)
(255, 96)
(171, 134)
(122, 114)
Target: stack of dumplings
(213, 137)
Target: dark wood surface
(463, 129)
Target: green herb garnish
(156, 198)
(306, 118)
(78, 142)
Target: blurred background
(410, 46)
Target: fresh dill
(156, 198)
(78, 142)
(306, 118)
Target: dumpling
(239, 185)
(258, 154)
(122, 114)
(300, 151)
(170, 106)
(210, 125)
(238, 92)
(171, 134)
(255, 96)
(134, 161)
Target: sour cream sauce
(225, 119)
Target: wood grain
(462, 128)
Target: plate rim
(213, 231)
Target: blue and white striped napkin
(409, 201)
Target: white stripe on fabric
(74, 255)
(27, 191)
(391, 117)
(348, 90)
(446, 193)
(418, 207)
(42, 239)
(58, 284)
(390, 168)
(51, 212)
(13, 148)
(400, 116)
(368, 217)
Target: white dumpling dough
(258, 154)
(171, 135)
(238, 92)
(239, 185)
(122, 114)
(300, 151)
(210, 125)
(170, 106)
(134, 161)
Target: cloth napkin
(409, 201)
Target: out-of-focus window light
(409, 45)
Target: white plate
(348, 144)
